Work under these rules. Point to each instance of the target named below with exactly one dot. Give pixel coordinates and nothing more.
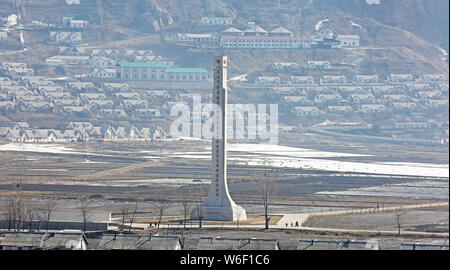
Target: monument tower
(219, 205)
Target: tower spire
(219, 205)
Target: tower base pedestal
(232, 213)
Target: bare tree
(266, 189)
(16, 209)
(123, 215)
(10, 213)
(185, 204)
(200, 213)
(84, 203)
(197, 194)
(31, 215)
(160, 207)
(46, 211)
(133, 215)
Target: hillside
(396, 36)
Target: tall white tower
(219, 205)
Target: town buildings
(134, 71)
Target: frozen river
(272, 155)
(301, 158)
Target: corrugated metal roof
(317, 244)
(42, 240)
(23, 239)
(260, 244)
(210, 243)
(63, 240)
(139, 242)
(224, 37)
(424, 246)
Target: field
(113, 173)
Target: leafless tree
(266, 189)
(123, 215)
(16, 209)
(133, 215)
(84, 203)
(31, 216)
(185, 204)
(160, 207)
(197, 194)
(46, 211)
(200, 213)
(10, 213)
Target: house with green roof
(156, 71)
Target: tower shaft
(219, 205)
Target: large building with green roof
(155, 71)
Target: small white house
(317, 64)
(65, 37)
(262, 80)
(306, 111)
(301, 80)
(348, 40)
(216, 20)
(78, 23)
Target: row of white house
(373, 109)
(15, 70)
(422, 82)
(255, 37)
(82, 131)
(102, 62)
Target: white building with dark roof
(216, 20)
(306, 111)
(400, 78)
(264, 80)
(348, 40)
(301, 80)
(433, 78)
(44, 241)
(317, 64)
(65, 38)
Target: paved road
(301, 218)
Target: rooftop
(145, 65)
(187, 70)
